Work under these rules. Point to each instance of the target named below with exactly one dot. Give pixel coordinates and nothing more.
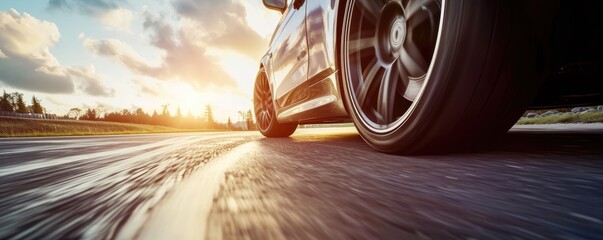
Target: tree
(89, 115)
(142, 117)
(100, 110)
(209, 116)
(164, 110)
(12, 98)
(21, 107)
(229, 124)
(249, 120)
(155, 118)
(139, 112)
(74, 113)
(36, 107)
(165, 117)
(5, 104)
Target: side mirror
(279, 5)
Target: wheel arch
(340, 5)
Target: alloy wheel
(388, 49)
(263, 104)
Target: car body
(313, 73)
(302, 67)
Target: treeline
(164, 118)
(14, 102)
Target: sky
(126, 54)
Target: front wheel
(264, 110)
(435, 75)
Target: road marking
(184, 212)
(589, 218)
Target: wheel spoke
(387, 94)
(414, 6)
(262, 120)
(257, 106)
(413, 88)
(402, 73)
(265, 87)
(258, 95)
(416, 19)
(268, 118)
(358, 45)
(368, 77)
(371, 9)
(412, 59)
(410, 86)
(263, 105)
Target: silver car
(414, 75)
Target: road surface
(538, 182)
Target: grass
(587, 117)
(23, 127)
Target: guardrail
(28, 115)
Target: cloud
(146, 87)
(2, 55)
(28, 74)
(26, 35)
(224, 25)
(184, 59)
(90, 82)
(162, 34)
(28, 64)
(113, 17)
(117, 19)
(89, 7)
(121, 53)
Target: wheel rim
(263, 105)
(388, 50)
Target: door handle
(298, 3)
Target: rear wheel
(435, 75)
(264, 110)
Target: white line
(184, 212)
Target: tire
(265, 112)
(436, 75)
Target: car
(424, 76)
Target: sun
(187, 99)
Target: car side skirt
(323, 104)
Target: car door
(289, 54)
(321, 17)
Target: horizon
(125, 55)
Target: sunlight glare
(187, 99)
(260, 19)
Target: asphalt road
(538, 182)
